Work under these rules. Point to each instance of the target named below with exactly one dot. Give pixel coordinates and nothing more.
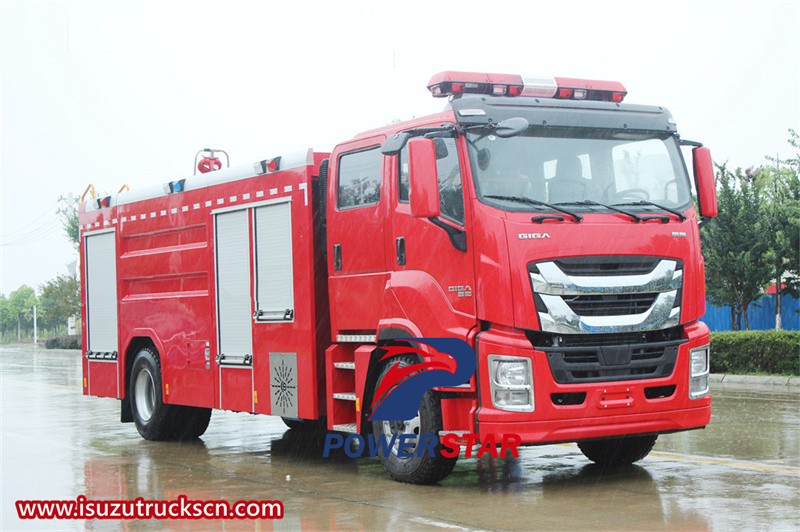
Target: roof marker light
(269, 165)
(449, 83)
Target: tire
(423, 469)
(154, 419)
(618, 451)
(196, 423)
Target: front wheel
(414, 464)
(618, 451)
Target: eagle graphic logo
(447, 362)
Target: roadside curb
(754, 379)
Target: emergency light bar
(456, 83)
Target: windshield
(577, 165)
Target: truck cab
(552, 227)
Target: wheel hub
(144, 392)
(412, 427)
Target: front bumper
(578, 411)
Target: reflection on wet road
(742, 472)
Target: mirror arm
(684, 142)
(446, 130)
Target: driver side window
(448, 169)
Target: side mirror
(395, 143)
(511, 127)
(704, 180)
(424, 193)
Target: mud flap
(125, 414)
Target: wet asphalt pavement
(741, 473)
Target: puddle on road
(742, 470)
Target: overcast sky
(116, 93)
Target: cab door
(356, 235)
(432, 259)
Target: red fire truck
(541, 220)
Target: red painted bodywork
(166, 294)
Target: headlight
(699, 368)
(699, 361)
(511, 373)
(511, 383)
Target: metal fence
(761, 315)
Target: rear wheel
(154, 419)
(414, 469)
(195, 422)
(618, 451)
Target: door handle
(337, 257)
(400, 244)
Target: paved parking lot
(742, 472)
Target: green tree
(734, 247)
(60, 299)
(21, 302)
(7, 319)
(779, 190)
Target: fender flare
(126, 362)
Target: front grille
(540, 339)
(610, 305)
(579, 357)
(610, 265)
(646, 353)
(571, 365)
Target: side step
(342, 403)
(345, 396)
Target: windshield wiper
(679, 214)
(529, 201)
(636, 217)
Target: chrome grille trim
(556, 289)
(562, 319)
(551, 280)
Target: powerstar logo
(450, 362)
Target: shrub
(748, 352)
(67, 341)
